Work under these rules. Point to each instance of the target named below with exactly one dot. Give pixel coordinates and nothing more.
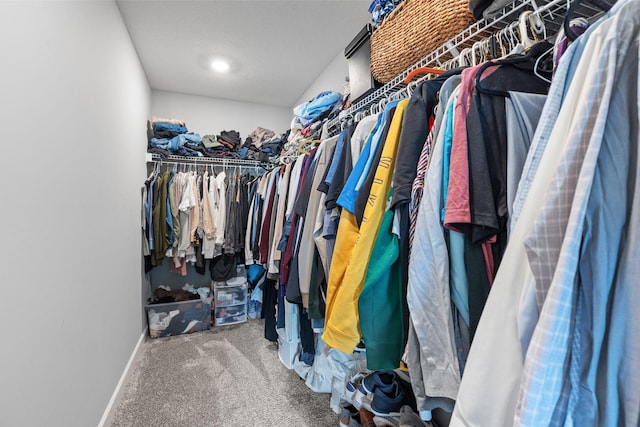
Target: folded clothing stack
(317, 109)
(170, 136)
(380, 9)
(262, 144)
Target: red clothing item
(264, 244)
(287, 255)
(458, 209)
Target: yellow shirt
(341, 320)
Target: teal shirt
(380, 302)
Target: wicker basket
(414, 29)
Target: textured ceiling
(276, 48)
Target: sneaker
(368, 385)
(351, 387)
(389, 400)
(377, 379)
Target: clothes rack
(173, 159)
(550, 11)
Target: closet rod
(476, 32)
(173, 159)
(162, 163)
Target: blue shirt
(376, 142)
(336, 157)
(349, 194)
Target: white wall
(210, 116)
(73, 105)
(332, 78)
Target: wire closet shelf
(550, 11)
(196, 161)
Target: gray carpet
(228, 376)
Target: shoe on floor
(366, 418)
(386, 421)
(389, 400)
(349, 415)
(369, 383)
(365, 401)
(409, 418)
(377, 379)
(351, 388)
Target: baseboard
(116, 393)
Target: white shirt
(428, 294)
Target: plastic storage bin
(231, 315)
(178, 318)
(231, 298)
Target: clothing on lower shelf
(179, 318)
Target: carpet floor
(228, 376)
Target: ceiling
(276, 48)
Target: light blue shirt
(376, 143)
(563, 382)
(459, 280)
(349, 193)
(557, 92)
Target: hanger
(411, 87)
(523, 29)
(566, 23)
(303, 148)
(514, 38)
(463, 58)
(382, 103)
(536, 67)
(477, 53)
(420, 71)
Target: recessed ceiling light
(220, 66)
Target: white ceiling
(276, 48)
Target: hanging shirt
(207, 218)
(210, 212)
(428, 291)
(268, 213)
(380, 302)
(160, 227)
(499, 360)
(341, 331)
(523, 111)
(362, 132)
(349, 193)
(175, 216)
(187, 203)
(307, 244)
(597, 148)
(367, 181)
(343, 166)
(414, 134)
(283, 186)
(248, 254)
(458, 210)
